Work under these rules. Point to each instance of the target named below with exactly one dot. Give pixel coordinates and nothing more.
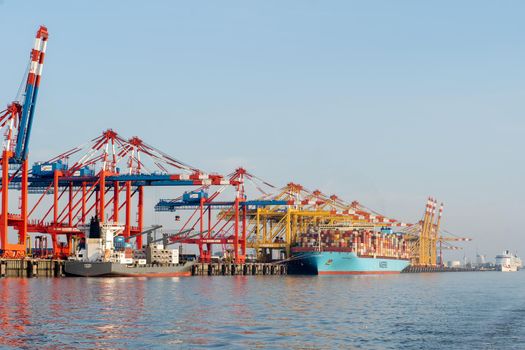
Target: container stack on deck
(361, 241)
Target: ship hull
(507, 268)
(343, 263)
(109, 269)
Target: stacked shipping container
(365, 243)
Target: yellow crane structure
(276, 220)
(280, 226)
(426, 238)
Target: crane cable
(20, 95)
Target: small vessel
(508, 262)
(104, 253)
(349, 251)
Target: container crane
(17, 122)
(427, 239)
(102, 178)
(443, 244)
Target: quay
(247, 269)
(422, 269)
(55, 268)
(31, 268)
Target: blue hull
(343, 263)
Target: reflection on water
(431, 311)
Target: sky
(385, 102)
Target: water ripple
(414, 311)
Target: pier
(55, 268)
(247, 269)
(31, 268)
(423, 269)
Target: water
(477, 310)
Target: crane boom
(151, 229)
(166, 237)
(31, 94)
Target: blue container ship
(343, 263)
(350, 251)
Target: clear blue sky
(386, 102)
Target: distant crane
(427, 239)
(443, 244)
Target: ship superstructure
(508, 262)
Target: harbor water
(468, 310)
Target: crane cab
(194, 196)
